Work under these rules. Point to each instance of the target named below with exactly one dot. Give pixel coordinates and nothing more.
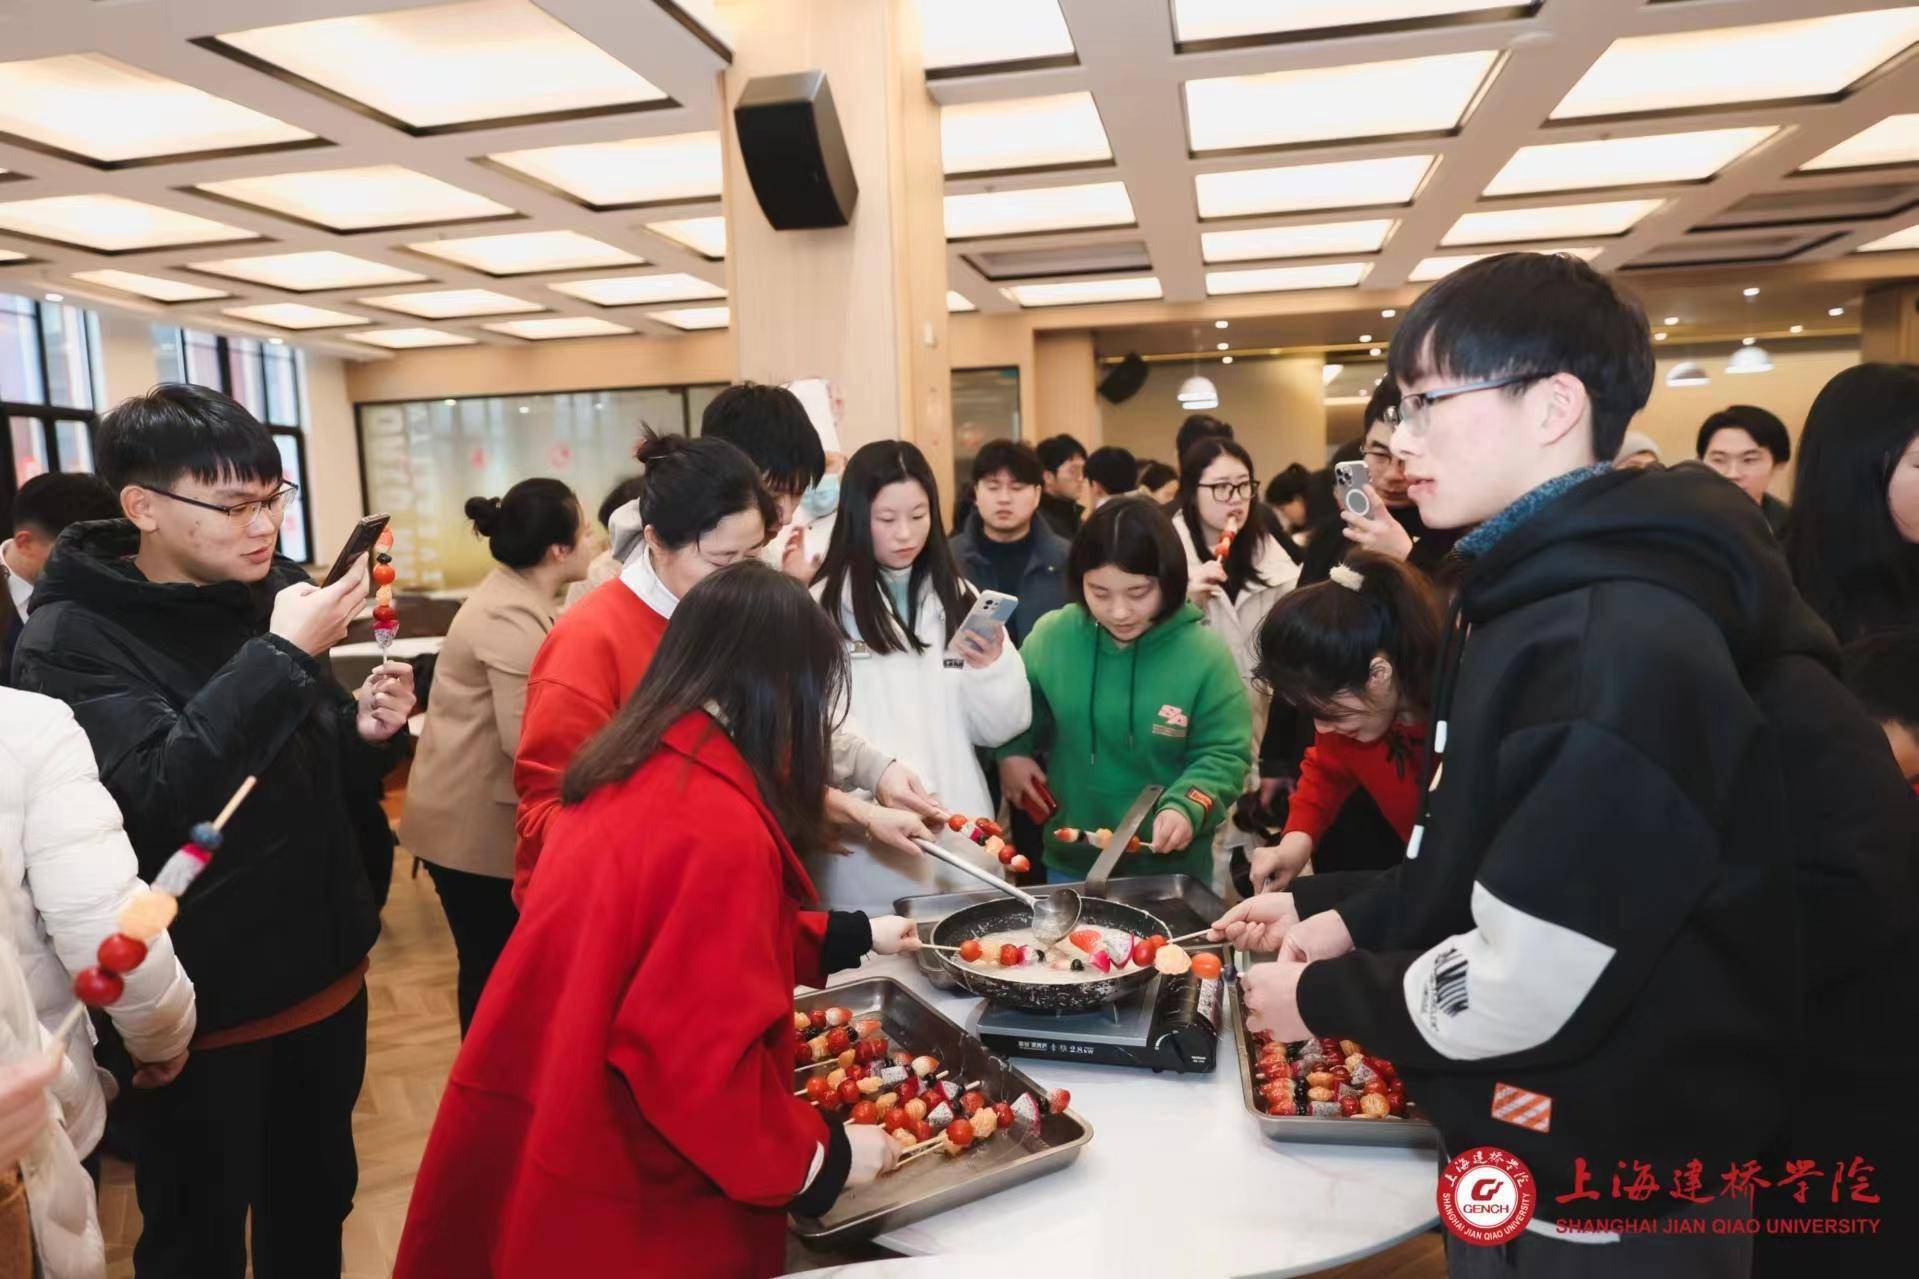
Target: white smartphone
(989, 615)
(1349, 488)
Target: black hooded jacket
(183, 694)
(1659, 822)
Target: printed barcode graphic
(1521, 1108)
(1449, 982)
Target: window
(47, 391)
(985, 407)
(420, 460)
(265, 378)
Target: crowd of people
(1540, 764)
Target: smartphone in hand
(989, 615)
(358, 543)
(1349, 488)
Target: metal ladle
(1054, 915)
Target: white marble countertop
(1177, 1183)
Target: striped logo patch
(1522, 1109)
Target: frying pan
(988, 917)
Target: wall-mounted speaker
(1124, 381)
(794, 152)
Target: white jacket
(929, 712)
(67, 869)
(1237, 621)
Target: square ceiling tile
(1075, 292)
(103, 111)
(1438, 267)
(627, 173)
(525, 252)
(411, 339)
(1332, 275)
(309, 272)
(1346, 184)
(695, 317)
(1322, 104)
(970, 33)
(1774, 61)
(150, 286)
(559, 326)
(1020, 212)
(364, 199)
(113, 223)
(1551, 222)
(640, 290)
(1906, 239)
(705, 236)
(1613, 162)
(1197, 20)
(1294, 241)
(452, 304)
(1022, 133)
(293, 315)
(1894, 140)
(449, 66)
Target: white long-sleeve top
(1238, 621)
(929, 712)
(68, 869)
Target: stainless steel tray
(1181, 902)
(934, 1183)
(1413, 1130)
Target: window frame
(48, 414)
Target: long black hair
(749, 642)
(851, 569)
(535, 516)
(691, 485)
(1847, 555)
(1260, 523)
(1320, 640)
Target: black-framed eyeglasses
(1412, 410)
(241, 514)
(1229, 490)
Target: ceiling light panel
(1894, 140)
(1073, 292)
(381, 195)
(411, 339)
(993, 213)
(1517, 226)
(1438, 267)
(957, 302)
(1318, 104)
(695, 317)
(309, 272)
(8, 255)
(1295, 241)
(149, 286)
(631, 171)
(452, 304)
(102, 109)
(705, 236)
(1614, 162)
(1023, 133)
(1195, 20)
(1906, 239)
(293, 315)
(1804, 58)
(1336, 275)
(112, 223)
(1349, 184)
(965, 33)
(452, 64)
(640, 290)
(524, 252)
(559, 326)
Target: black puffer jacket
(1636, 861)
(183, 694)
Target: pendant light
(1197, 394)
(1750, 359)
(1687, 373)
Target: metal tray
(1181, 902)
(934, 1183)
(1413, 1130)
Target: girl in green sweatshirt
(1129, 689)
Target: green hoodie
(1113, 718)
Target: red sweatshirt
(588, 666)
(623, 1104)
(1389, 769)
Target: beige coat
(460, 799)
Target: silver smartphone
(1349, 488)
(990, 613)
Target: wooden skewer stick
(239, 797)
(1194, 936)
(58, 1048)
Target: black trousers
(265, 1127)
(480, 911)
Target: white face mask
(822, 499)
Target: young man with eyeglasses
(194, 656)
(1658, 841)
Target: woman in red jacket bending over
(623, 1104)
(1357, 653)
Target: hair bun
(485, 514)
(654, 447)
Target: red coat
(623, 1102)
(1390, 769)
(587, 667)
